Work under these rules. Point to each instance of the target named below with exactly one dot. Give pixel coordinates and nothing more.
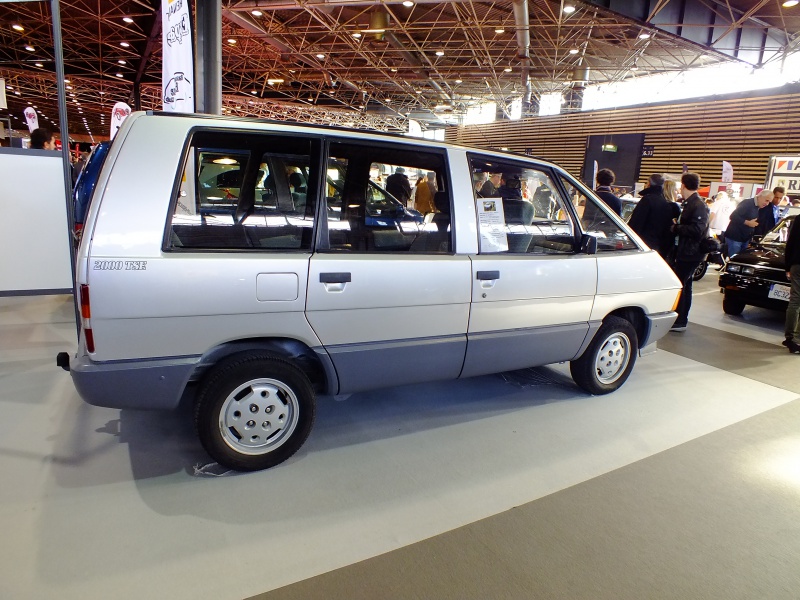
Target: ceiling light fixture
(256, 13)
(125, 44)
(507, 70)
(356, 35)
(790, 3)
(253, 92)
(499, 30)
(320, 56)
(275, 80)
(408, 3)
(458, 81)
(38, 64)
(569, 9)
(122, 62)
(439, 53)
(30, 48)
(231, 41)
(17, 27)
(646, 36)
(119, 74)
(127, 19)
(573, 50)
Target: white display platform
(35, 244)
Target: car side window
(386, 199)
(596, 220)
(244, 192)
(520, 209)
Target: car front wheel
(608, 361)
(254, 411)
(700, 270)
(732, 305)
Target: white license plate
(779, 292)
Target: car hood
(761, 256)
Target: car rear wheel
(254, 411)
(732, 305)
(608, 361)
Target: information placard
(492, 223)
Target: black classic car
(757, 275)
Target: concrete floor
(683, 484)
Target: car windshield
(779, 233)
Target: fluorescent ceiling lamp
(127, 19)
(408, 3)
(573, 50)
(124, 44)
(16, 27)
(644, 36)
(499, 30)
(791, 3)
(569, 9)
(256, 13)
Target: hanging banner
(177, 62)
(119, 113)
(32, 118)
(3, 102)
(727, 171)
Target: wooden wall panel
(743, 131)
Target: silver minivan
(263, 264)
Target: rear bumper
(144, 384)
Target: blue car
(84, 187)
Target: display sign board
(648, 151)
(784, 171)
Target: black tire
(608, 361)
(254, 411)
(732, 305)
(700, 270)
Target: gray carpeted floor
(717, 517)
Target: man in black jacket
(744, 220)
(769, 216)
(398, 185)
(652, 219)
(691, 229)
(792, 257)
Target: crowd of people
(676, 222)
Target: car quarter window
(596, 220)
(520, 209)
(244, 191)
(387, 198)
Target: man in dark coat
(691, 229)
(792, 258)
(652, 219)
(398, 185)
(769, 216)
(605, 177)
(744, 220)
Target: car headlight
(733, 268)
(748, 271)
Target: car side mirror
(588, 244)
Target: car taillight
(86, 318)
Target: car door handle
(488, 275)
(334, 278)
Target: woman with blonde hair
(671, 190)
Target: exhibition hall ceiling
(377, 64)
